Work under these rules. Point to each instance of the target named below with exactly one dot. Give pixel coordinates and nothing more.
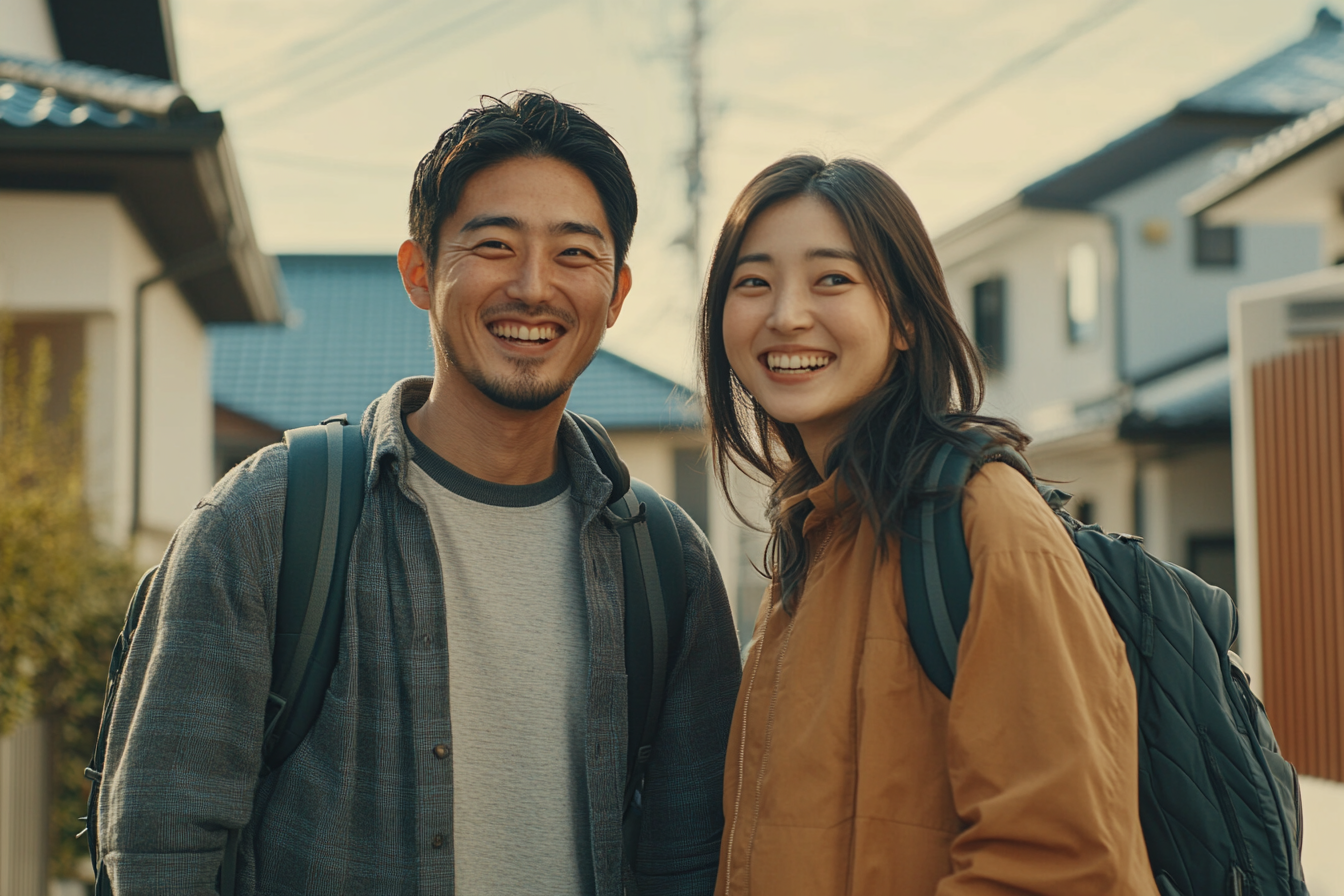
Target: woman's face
(804, 328)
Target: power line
(330, 163)
(1013, 69)
(398, 58)
(304, 55)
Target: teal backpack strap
(935, 563)
(324, 498)
(654, 575)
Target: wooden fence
(1299, 449)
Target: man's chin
(527, 396)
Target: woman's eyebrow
(846, 254)
(753, 258)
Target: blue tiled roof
(1273, 91)
(71, 94)
(24, 106)
(353, 333)
(1295, 80)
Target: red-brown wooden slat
(1298, 429)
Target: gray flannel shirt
(364, 805)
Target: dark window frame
(989, 321)
(1215, 247)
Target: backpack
(1220, 807)
(324, 500)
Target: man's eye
(493, 244)
(576, 252)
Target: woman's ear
(902, 335)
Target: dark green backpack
(1220, 807)
(326, 476)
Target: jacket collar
(829, 498)
(389, 449)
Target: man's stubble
(525, 392)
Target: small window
(1082, 293)
(990, 323)
(1214, 559)
(1215, 247)
(692, 485)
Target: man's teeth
(543, 333)
(796, 362)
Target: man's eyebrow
(846, 254)
(480, 222)
(570, 227)
(752, 259)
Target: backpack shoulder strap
(655, 607)
(654, 575)
(324, 497)
(323, 502)
(935, 563)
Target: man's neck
(485, 439)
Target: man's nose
(532, 282)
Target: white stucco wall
(80, 254)
(1045, 375)
(1171, 308)
(178, 426)
(1322, 834)
(26, 30)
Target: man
(473, 736)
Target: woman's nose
(790, 312)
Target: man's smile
(523, 333)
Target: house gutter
(191, 264)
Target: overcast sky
(330, 103)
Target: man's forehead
(544, 195)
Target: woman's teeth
(796, 362)
(543, 333)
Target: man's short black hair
(528, 125)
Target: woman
(834, 365)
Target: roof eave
(136, 163)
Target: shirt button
(440, 751)
(428, 640)
(437, 842)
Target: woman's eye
(835, 280)
(751, 283)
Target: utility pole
(695, 178)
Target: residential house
(123, 233)
(1287, 368)
(351, 333)
(1100, 308)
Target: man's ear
(415, 274)
(623, 282)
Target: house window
(1215, 247)
(990, 301)
(692, 485)
(1214, 559)
(1082, 293)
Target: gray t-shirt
(518, 678)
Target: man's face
(525, 282)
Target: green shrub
(62, 592)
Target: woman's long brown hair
(933, 390)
